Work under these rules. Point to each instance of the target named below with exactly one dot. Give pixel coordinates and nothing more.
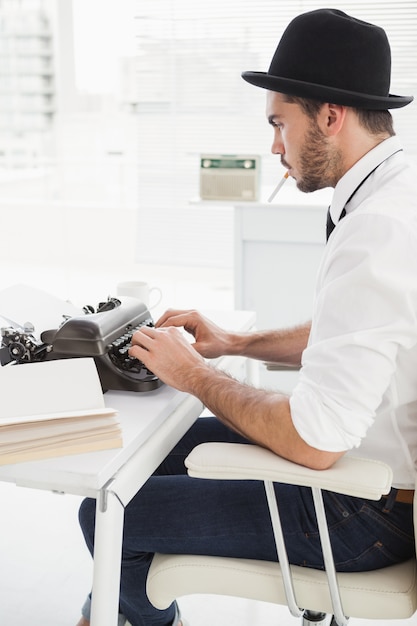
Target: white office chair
(389, 593)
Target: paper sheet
(64, 387)
(20, 304)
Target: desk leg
(107, 560)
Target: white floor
(45, 569)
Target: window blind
(191, 100)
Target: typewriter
(104, 335)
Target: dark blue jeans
(174, 513)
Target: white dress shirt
(357, 388)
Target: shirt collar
(353, 177)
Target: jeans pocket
(363, 537)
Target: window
(192, 100)
(105, 109)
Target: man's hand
(168, 355)
(210, 340)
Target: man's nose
(277, 145)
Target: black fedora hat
(333, 57)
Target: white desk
(152, 424)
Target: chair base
(314, 618)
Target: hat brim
(326, 94)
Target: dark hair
(376, 122)
(310, 106)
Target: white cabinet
(277, 253)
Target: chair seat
(388, 593)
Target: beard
(320, 163)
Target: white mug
(140, 290)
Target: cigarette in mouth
(278, 187)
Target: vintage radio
(229, 177)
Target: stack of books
(54, 408)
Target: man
(327, 101)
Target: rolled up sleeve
(364, 313)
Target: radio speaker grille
(229, 177)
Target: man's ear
(332, 117)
